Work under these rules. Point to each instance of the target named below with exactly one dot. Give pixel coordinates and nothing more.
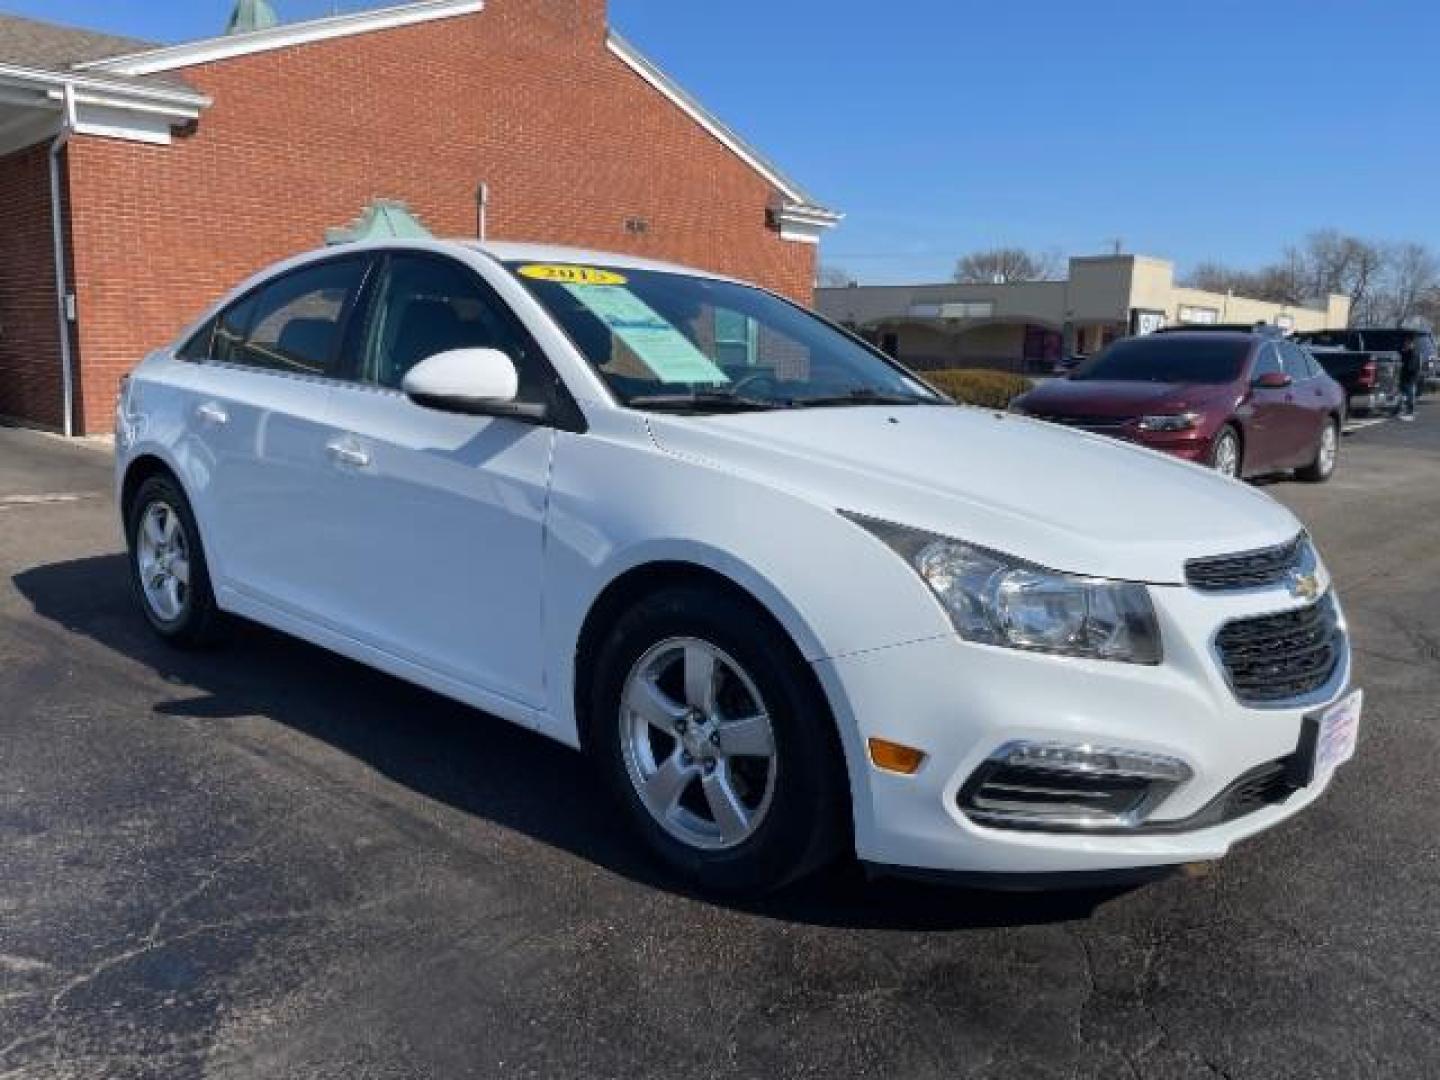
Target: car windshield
(677, 342)
(1166, 359)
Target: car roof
(1210, 335)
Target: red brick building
(165, 175)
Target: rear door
(1306, 405)
(260, 424)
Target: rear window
(1388, 340)
(1164, 359)
(1331, 339)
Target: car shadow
(476, 763)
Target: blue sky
(937, 126)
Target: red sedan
(1245, 404)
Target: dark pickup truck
(1369, 376)
(1392, 340)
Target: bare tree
(1005, 265)
(1347, 265)
(1411, 277)
(834, 277)
(1218, 278)
(1330, 261)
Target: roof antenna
(251, 15)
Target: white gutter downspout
(57, 228)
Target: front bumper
(1193, 445)
(959, 702)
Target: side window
(299, 319)
(198, 346)
(229, 337)
(427, 305)
(1297, 364)
(1267, 362)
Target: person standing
(1409, 379)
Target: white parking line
(1368, 422)
(9, 501)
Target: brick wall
(523, 95)
(30, 380)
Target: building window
(968, 309)
(1198, 316)
(735, 339)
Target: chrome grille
(1246, 570)
(1092, 423)
(1281, 657)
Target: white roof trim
(280, 37)
(176, 100)
(647, 70)
(804, 223)
(107, 107)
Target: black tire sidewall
(807, 815)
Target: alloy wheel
(1329, 449)
(698, 744)
(1227, 456)
(162, 556)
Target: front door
(439, 518)
(1268, 439)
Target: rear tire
(168, 571)
(678, 686)
(1327, 455)
(1226, 453)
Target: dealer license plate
(1339, 730)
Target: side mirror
(1273, 380)
(472, 382)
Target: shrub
(974, 386)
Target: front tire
(1327, 454)
(168, 571)
(1226, 453)
(717, 742)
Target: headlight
(998, 600)
(1169, 422)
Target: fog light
(896, 757)
(1061, 787)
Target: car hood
(1064, 499)
(1069, 397)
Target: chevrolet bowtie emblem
(1305, 586)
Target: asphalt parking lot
(270, 862)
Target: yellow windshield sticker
(572, 275)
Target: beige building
(1027, 326)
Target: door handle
(343, 452)
(213, 412)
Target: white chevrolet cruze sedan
(788, 598)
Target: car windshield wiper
(862, 396)
(704, 401)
